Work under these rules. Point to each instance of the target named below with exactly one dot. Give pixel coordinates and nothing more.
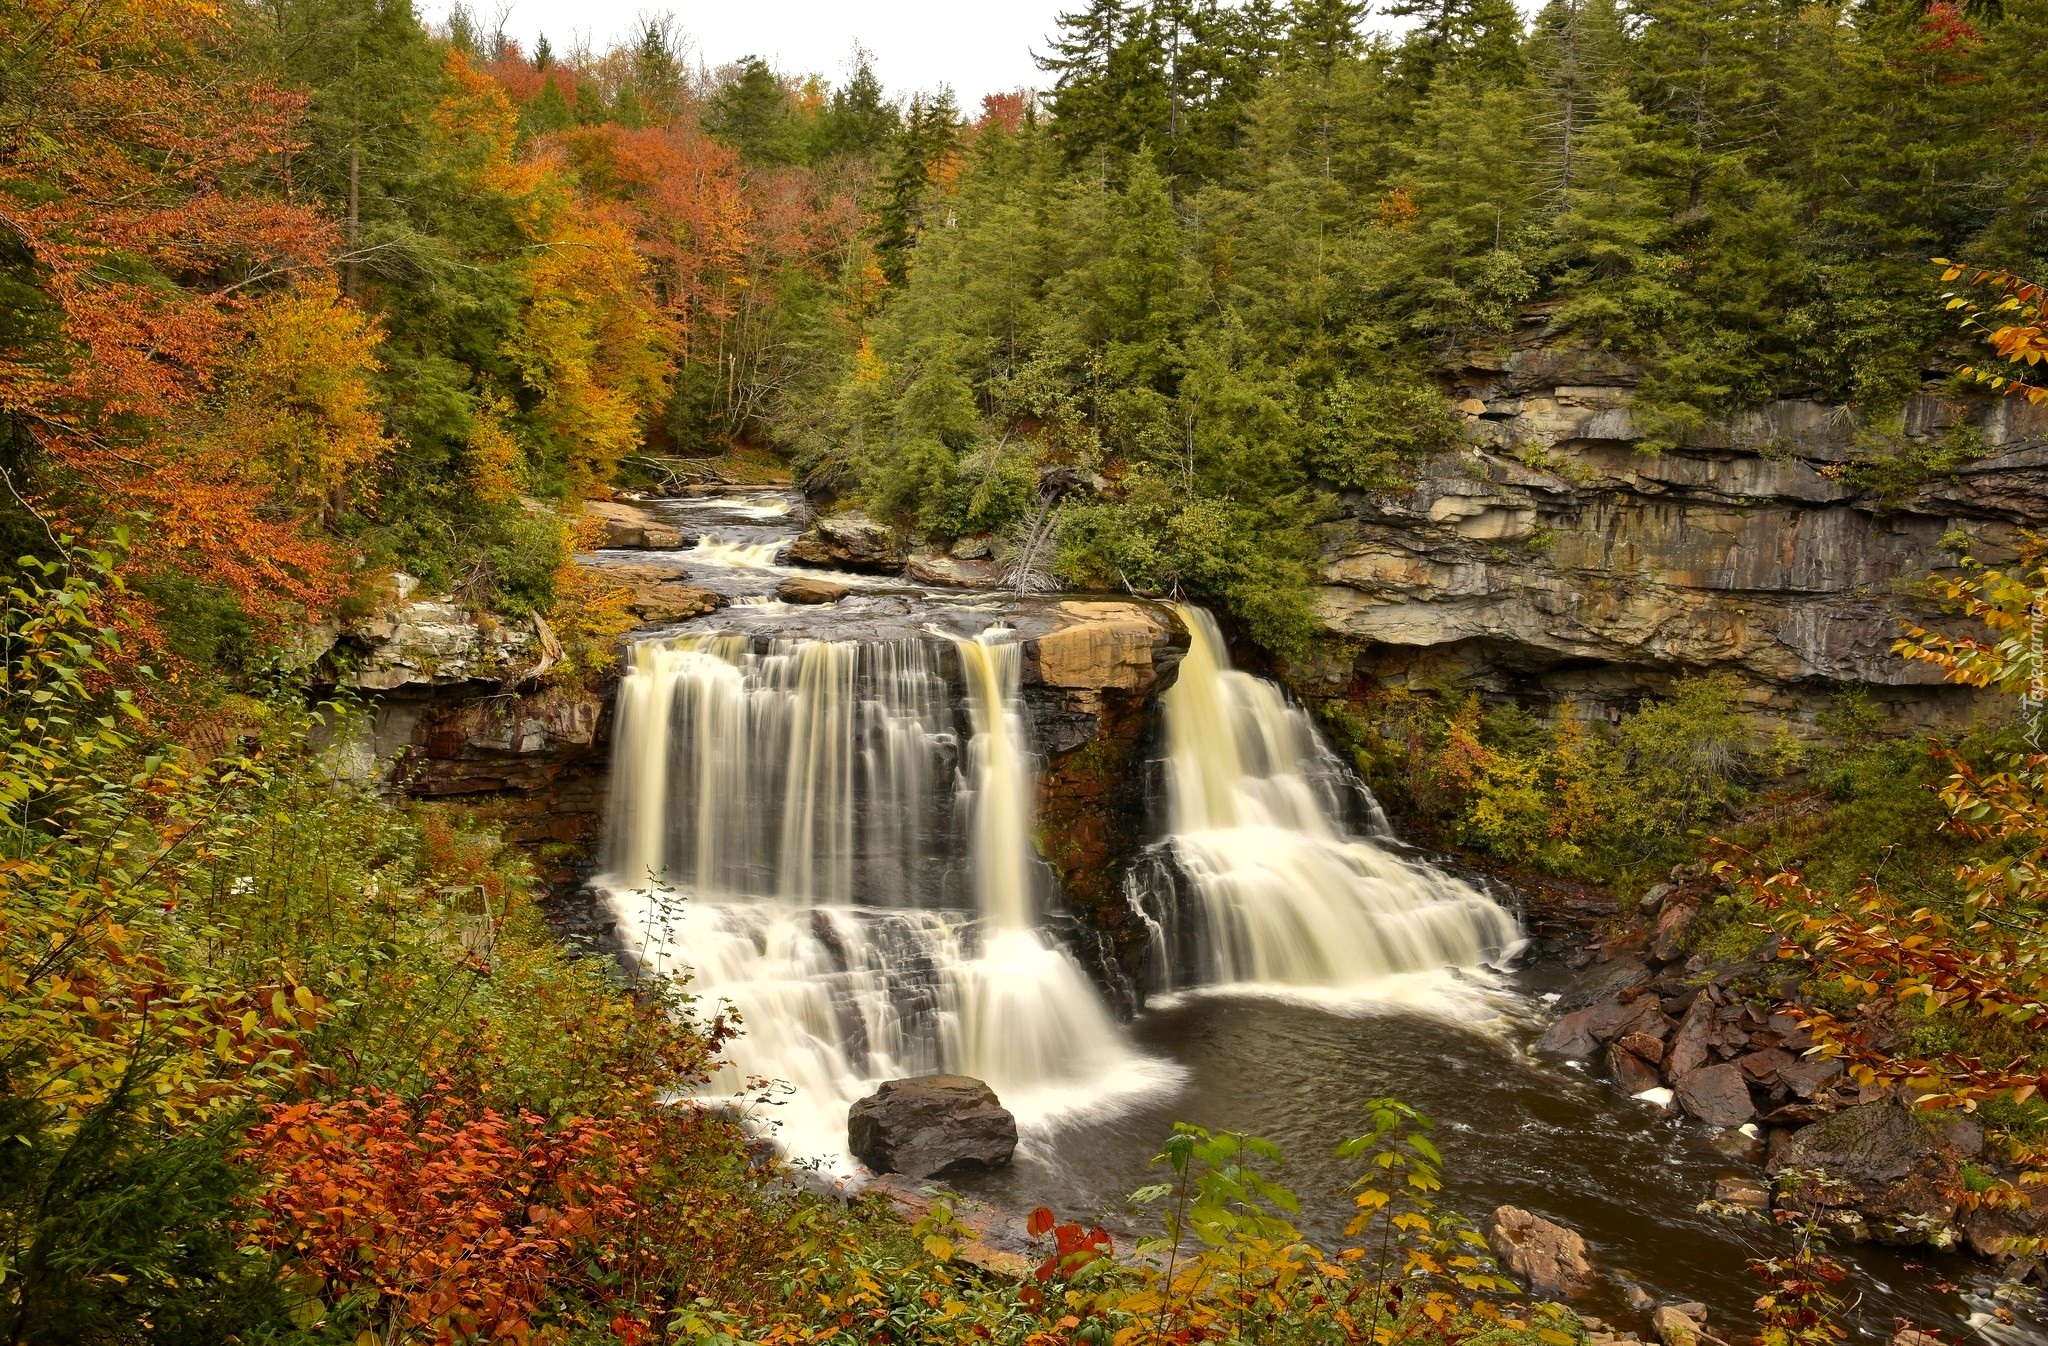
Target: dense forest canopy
(321, 293)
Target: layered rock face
(1550, 556)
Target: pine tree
(859, 119)
(749, 110)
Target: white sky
(978, 48)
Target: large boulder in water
(928, 1124)
(1875, 1172)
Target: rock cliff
(1549, 556)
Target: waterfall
(1258, 881)
(795, 827)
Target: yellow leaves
(939, 1248)
(496, 461)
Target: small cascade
(796, 827)
(1258, 881)
(716, 551)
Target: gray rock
(1604, 981)
(1874, 1172)
(929, 1124)
(953, 572)
(1546, 1257)
(851, 541)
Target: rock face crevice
(1549, 555)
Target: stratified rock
(629, 526)
(658, 594)
(1717, 1095)
(928, 1124)
(850, 541)
(1102, 647)
(1584, 1032)
(434, 642)
(1874, 1172)
(810, 589)
(1546, 1257)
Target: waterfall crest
(1258, 881)
(796, 827)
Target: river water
(822, 817)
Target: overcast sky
(978, 48)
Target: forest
(303, 298)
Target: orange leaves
(458, 1218)
(2011, 326)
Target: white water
(791, 829)
(717, 551)
(1272, 889)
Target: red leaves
(1074, 1245)
(461, 1215)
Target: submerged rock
(929, 1124)
(1543, 1255)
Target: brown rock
(1688, 1049)
(810, 589)
(928, 1124)
(660, 594)
(953, 572)
(1630, 1073)
(1546, 1257)
(1763, 1067)
(1810, 1075)
(1875, 1171)
(1667, 940)
(1645, 1045)
(1675, 1327)
(1716, 1095)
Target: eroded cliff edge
(1549, 557)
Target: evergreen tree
(930, 135)
(750, 111)
(1609, 237)
(859, 119)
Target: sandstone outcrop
(928, 1124)
(631, 527)
(660, 595)
(1548, 553)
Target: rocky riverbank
(1721, 1043)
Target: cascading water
(1257, 881)
(795, 828)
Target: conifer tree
(1609, 236)
(929, 136)
(1577, 51)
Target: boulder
(1101, 647)
(1680, 1324)
(1604, 981)
(1688, 1049)
(1874, 1172)
(1807, 1077)
(1717, 1095)
(929, 1124)
(1762, 1068)
(1630, 1073)
(1583, 1032)
(629, 526)
(850, 541)
(1667, 940)
(953, 572)
(1546, 1257)
(810, 589)
(1994, 1231)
